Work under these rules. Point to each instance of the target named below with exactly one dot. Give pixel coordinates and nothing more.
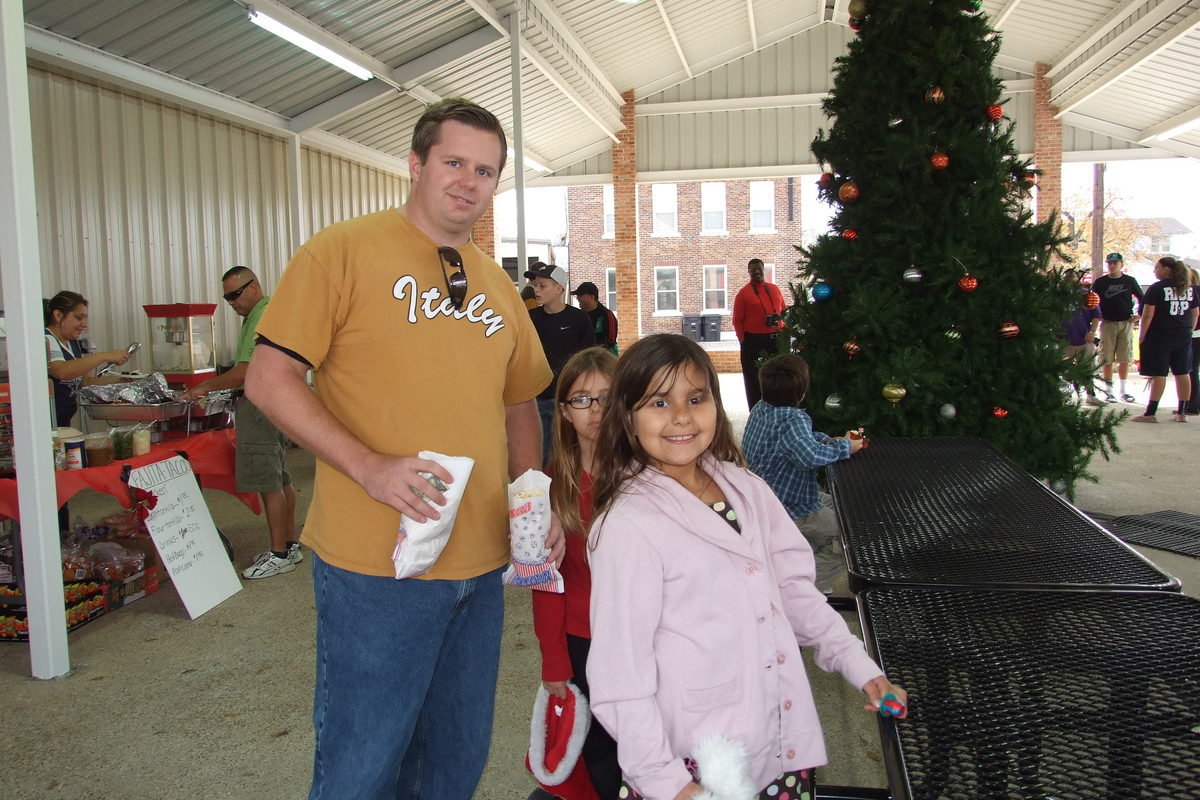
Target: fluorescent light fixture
(529, 162)
(300, 40)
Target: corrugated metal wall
(139, 202)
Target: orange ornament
(968, 284)
(1009, 330)
(939, 160)
(935, 95)
(1092, 300)
(995, 113)
(999, 412)
(850, 234)
(851, 347)
(848, 192)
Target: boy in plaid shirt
(782, 448)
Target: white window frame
(610, 288)
(712, 201)
(665, 206)
(661, 274)
(710, 269)
(765, 192)
(610, 212)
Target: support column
(1047, 147)
(484, 232)
(625, 231)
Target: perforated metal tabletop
(957, 512)
(1036, 695)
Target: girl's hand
(556, 688)
(877, 688)
(691, 790)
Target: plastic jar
(99, 449)
(141, 441)
(74, 448)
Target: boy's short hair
(784, 380)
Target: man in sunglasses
(261, 449)
(417, 342)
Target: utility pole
(1098, 219)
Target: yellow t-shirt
(365, 302)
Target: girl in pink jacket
(702, 596)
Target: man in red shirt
(757, 311)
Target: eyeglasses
(456, 283)
(236, 293)
(583, 402)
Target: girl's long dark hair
(63, 302)
(1179, 273)
(643, 369)
(565, 459)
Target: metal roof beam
(577, 48)
(666, 19)
(1127, 134)
(345, 103)
(1098, 32)
(998, 21)
(1066, 101)
(750, 22)
(1171, 127)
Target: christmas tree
(933, 307)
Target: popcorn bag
(418, 544)
(528, 524)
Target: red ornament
(824, 180)
(1009, 330)
(939, 161)
(999, 412)
(848, 192)
(968, 283)
(851, 347)
(995, 113)
(855, 24)
(1092, 300)
(849, 234)
(935, 95)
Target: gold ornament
(848, 192)
(857, 8)
(894, 393)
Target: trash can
(710, 328)
(692, 326)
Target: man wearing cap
(564, 331)
(1117, 312)
(604, 322)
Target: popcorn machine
(182, 341)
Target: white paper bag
(418, 544)
(528, 524)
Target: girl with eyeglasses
(702, 597)
(561, 620)
(1169, 313)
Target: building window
(712, 208)
(666, 218)
(666, 288)
(610, 288)
(769, 273)
(610, 212)
(762, 206)
(714, 287)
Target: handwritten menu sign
(185, 536)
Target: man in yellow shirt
(418, 341)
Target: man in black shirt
(604, 322)
(564, 331)
(1117, 313)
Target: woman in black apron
(66, 316)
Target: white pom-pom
(724, 773)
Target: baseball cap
(1114, 257)
(540, 270)
(587, 287)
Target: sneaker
(1094, 401)
(267, 565)
(1179, 417)
(1128, 398)
(1144, 418)
(294, 554)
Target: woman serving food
(66, 319)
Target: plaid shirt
(782, 448)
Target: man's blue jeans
(546, 412)
(406, 680)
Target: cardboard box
(85, 600)
(14, 620)
(135, 587)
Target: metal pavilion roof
(1127, 69)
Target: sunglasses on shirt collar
(456, 282)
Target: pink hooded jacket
(696, 630)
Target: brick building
(693, 241)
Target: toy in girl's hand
(890, 705)
(859, 434)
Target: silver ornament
(833, 402)
(948, 411)
(1058, 486)
(913, 275)
(895, 122)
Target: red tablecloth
(211, 454)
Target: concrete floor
(160, 706)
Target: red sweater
(750, 309)
(556, 615)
